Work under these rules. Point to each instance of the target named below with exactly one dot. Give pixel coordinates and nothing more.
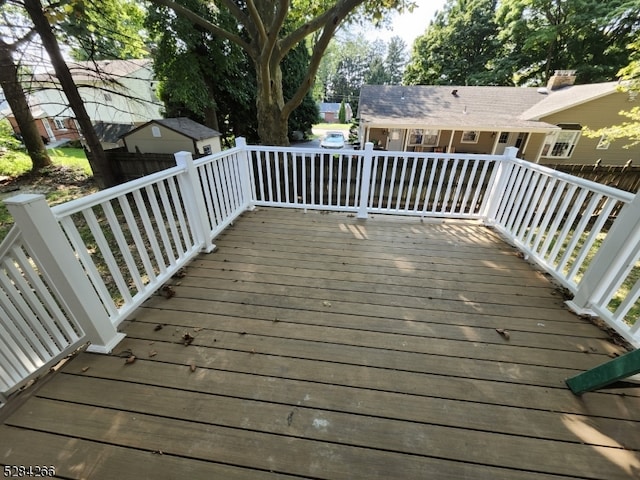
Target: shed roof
(183, 125)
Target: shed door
(395, 141)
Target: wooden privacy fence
(130, 166)
(624, 177)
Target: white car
(333, 140)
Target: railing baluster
(401, 184)
(107, 255)
(441, 179)
(339, 185)
(557, 219)
(532, 201)
(80, 249)
(427, 197)
(568, 220)
(167, 250)
(150, 233)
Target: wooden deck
(321, 346)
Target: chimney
(561, 79)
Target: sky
(412, 25)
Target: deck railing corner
(57, 262)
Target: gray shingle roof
(568, 97)
(461, 107)
(188, 128)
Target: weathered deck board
(327, 347)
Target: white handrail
(556, 219)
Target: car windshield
(335, 135)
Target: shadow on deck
(319, 346)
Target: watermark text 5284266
(27, 471)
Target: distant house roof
(99, 70)
(41, 106)
(184, 126)
(328, 107)
(464, 107)
(111, 132)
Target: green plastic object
(606, 374)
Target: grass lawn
(69, 177)
(333, 126)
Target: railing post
(191, 190)
(245, 173)
(57, 261)
(616, 255)
(365, 184)
(498, 185)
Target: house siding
(168, 142)
(598, 113)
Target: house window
(603, 143)
(560, 144)
(206, 149)
(504, 137)
(470, 136)
(522, 137)
(155, 131)
(425, 137)
(59, 124)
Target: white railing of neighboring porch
(70, 274)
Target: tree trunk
(102, 172)
(272, 123)
(10, 83)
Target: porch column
(62, 270)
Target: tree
(294, 68)
(103, 29)
(457, 47)
(15, 94)
(630, 129)
(541, 36)
(261, 33)
(342, 113)
(203, 77)
(396, 60)
(102, 171)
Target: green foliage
(15, 163)
(629, 129)
(294, 68)
(522, 42)
(203, 77)
(7, 138)
(103, 29)
(541, 36)
(458, 47)
(342, 113)
(353, 61)
(354, 129)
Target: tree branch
(210, 27)
(335, 14)
(340, 11)
(257, 21)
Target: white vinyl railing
(70, 274)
